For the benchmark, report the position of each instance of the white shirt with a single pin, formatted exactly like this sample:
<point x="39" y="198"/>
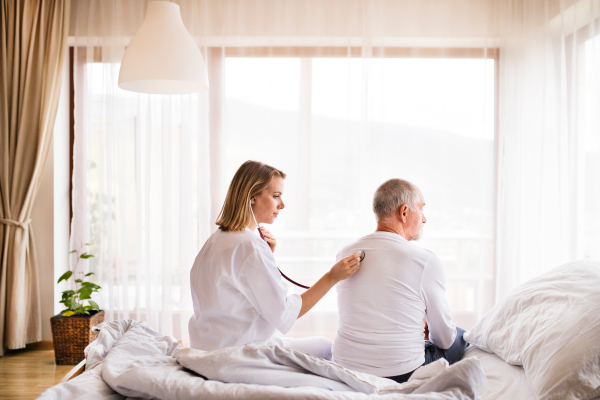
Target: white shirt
<point x="238" y="294"/>
<point x="382" y="306"/>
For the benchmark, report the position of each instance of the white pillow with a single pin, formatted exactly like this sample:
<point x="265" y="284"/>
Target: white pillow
<point x="551" y="326"/>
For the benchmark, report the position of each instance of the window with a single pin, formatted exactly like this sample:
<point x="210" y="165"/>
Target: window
<point x="426" y="115"/>
<point x="430" y="119"/>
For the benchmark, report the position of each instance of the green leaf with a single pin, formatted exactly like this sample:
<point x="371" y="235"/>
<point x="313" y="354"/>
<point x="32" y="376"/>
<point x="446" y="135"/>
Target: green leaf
<point x="82" y="310"/>
<point x="94" y="305"/>
<point x="73" y="251"/>
<point x="85" y="256"/>
<point x="67" y="313"/>
<point x="89" y="273"/>
<point x="65" y="276"/>
<point x="89" y="244"/>
<point x="67" y="293"/>
<point x="85" y="293"/>
<point x="78" y="280"/>
<point x="90" y="285"/>
<point x="66" y="299"/>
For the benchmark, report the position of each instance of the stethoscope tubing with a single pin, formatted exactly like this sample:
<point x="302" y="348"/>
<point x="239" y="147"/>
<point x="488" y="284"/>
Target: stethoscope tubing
<point x="282" y="274"/>
<point x="362" y="253"/>
<point x="263" y="238"/>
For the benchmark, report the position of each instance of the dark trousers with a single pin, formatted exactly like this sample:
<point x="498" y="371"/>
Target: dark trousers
<point x="433" y="353"/>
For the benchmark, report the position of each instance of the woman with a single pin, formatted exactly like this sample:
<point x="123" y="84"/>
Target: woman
<point x="238" y="295"/>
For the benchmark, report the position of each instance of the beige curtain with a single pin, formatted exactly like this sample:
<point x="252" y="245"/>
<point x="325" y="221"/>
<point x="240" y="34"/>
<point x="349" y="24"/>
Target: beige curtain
<point x="34" y="38"/>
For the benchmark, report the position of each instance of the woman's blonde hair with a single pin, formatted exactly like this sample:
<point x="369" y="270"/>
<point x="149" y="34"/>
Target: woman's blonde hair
<point x="250" y="179"/>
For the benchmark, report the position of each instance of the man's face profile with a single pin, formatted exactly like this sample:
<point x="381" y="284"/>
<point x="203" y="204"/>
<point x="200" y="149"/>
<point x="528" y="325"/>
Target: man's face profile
<point x="415" y="221"/>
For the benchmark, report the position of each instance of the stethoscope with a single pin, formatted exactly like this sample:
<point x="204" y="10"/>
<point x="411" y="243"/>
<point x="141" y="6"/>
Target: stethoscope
<point x="362" y="253"/>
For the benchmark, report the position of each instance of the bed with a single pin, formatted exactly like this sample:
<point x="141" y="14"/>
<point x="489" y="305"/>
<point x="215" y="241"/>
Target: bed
<point x="540" y="342"/>
<point x="503" y="381"/>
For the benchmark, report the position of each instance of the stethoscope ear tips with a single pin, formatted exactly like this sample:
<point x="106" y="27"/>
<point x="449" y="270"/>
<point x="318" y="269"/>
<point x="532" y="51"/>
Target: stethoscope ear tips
<point x="362" y="255"/>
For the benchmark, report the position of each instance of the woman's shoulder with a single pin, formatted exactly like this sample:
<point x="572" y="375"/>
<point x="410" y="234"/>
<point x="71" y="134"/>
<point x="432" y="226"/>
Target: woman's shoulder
<point x="245" y="240"/>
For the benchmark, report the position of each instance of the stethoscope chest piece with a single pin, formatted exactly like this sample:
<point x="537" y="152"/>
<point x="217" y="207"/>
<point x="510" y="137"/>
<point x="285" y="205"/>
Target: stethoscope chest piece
<point x="362" y="255"/>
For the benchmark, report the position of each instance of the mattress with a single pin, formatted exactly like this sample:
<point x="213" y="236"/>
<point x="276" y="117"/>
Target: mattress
<point x="504" y="381"/>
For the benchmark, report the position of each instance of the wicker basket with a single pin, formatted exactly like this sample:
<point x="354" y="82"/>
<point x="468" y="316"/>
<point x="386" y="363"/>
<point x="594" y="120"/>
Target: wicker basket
<point x="71" y="335"/>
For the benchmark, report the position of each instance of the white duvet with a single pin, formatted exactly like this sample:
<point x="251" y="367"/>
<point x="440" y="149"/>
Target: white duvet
<point x="129" y="359"/>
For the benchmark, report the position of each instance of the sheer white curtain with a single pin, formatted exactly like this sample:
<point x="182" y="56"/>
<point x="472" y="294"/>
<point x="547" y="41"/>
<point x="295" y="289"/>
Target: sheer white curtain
<point x="141" y="184"/>
<point x="549" y="137"/>
<point x="473" y="101"/>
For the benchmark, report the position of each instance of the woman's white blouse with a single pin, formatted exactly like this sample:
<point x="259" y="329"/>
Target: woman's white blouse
<point x="238" y="295"/>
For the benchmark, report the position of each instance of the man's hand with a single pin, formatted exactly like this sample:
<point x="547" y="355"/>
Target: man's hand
<point x="426" y="329"/>
<point x="271" y="241"/>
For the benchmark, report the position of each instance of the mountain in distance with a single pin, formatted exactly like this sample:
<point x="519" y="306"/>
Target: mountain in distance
<point x="454" y="170"/>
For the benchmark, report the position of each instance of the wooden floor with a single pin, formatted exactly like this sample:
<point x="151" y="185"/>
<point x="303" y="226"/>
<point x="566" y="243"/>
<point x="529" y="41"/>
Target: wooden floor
<point x="25" y="374"/>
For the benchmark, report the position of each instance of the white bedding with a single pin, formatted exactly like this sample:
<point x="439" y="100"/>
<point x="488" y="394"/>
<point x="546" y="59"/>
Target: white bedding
<point x="129" y="360"/>
<point x="504" y="381"/>
<point x="550" y="326"/>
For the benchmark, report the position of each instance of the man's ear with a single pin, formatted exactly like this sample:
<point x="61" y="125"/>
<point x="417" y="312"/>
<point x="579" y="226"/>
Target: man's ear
<point x="402" y="213"/>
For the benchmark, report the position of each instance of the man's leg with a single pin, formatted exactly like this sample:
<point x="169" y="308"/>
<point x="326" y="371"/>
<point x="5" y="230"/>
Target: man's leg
<point x="318" y="346"/>
<point x="433" y="353"/>
<point x="453" y="354"/>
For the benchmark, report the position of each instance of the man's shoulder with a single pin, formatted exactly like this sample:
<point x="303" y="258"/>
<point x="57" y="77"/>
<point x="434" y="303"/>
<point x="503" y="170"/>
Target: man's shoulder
<point x="424" y="256"/>
<point x="353" y="246"/>
<point x="392" y="242"/>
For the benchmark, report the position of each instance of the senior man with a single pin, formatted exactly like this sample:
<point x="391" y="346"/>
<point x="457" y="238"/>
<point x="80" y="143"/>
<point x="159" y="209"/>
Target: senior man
<point x="383" y="307"/>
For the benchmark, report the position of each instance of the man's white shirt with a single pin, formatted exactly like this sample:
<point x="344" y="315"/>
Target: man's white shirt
<point x="382" y="306"/>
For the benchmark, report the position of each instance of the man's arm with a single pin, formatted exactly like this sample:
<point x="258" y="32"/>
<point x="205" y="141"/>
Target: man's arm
<point x="442" y="330"/>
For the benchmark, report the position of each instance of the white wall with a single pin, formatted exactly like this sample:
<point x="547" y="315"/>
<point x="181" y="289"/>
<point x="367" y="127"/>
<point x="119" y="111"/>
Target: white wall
<point x="42" y="220"/>
<point x="50" y="213"/>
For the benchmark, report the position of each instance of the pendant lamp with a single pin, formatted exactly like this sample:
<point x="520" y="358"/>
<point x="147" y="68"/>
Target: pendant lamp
<point x="162" y="57"/>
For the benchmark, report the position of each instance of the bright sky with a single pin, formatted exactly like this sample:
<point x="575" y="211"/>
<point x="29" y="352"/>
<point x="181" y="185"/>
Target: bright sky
<point x="455" y="95"/>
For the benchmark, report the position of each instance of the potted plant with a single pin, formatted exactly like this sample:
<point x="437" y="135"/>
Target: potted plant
<point x="72" y="327"/>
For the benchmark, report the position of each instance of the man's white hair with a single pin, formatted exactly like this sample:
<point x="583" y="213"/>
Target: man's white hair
<point x="391" y="195"/>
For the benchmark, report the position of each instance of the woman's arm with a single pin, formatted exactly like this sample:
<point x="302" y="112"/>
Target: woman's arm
<point x="343" y="269"/>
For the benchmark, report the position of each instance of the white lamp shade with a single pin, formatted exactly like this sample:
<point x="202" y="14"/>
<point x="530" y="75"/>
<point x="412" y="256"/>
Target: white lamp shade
<point x="162" y="57"/>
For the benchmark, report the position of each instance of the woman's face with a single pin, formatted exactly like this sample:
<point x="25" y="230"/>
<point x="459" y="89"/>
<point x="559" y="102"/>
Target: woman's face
<point x="268" y="203"/>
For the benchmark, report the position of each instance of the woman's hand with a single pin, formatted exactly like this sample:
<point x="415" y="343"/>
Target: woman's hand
<point x="271" y="241"/>
<point x="345" y="268"/>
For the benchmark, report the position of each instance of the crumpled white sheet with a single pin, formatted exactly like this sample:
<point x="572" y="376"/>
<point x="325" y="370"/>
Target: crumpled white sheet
<point x="289" y="368"/>
<point x="136" y="361"/>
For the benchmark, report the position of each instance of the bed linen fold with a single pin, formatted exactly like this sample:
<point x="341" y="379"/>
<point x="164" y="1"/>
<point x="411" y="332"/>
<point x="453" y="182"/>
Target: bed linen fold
<point x="133" y="360"/>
